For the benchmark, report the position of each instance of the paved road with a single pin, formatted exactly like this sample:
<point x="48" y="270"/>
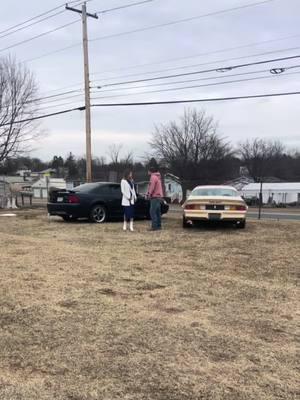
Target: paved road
<point x="266" y="214"/>
<point x="275" y="215"/>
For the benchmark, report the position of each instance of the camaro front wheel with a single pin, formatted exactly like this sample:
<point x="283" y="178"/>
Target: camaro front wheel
<point x="98" y="214"/>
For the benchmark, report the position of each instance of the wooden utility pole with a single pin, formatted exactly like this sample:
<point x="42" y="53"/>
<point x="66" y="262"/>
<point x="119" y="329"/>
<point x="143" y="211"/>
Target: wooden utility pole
<point x="84" y="15"/>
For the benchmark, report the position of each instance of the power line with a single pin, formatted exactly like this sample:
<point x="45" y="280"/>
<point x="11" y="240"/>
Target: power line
<point x="199" y="65"/>
<point x="156" y="103"/>
<point x="38" y="16"/>
<point x="67" y="103"/>
<point x="52" y="52"/>
<point x="223" y="50"/>
<point x="220" y="69"/>
<point x="125" y="6"/>
<point x="203" y="64"/>
<point x="30" y="19"/>
<point x="38" y="36"/>
<point x="175" y="68"/>
<point x="179" y="21"/>
<point x="162" y="84"/>
<point x="193" y="86"/>
<point x="149" y="28"/>
<point x="32" y="24"/>
<point x="215" y="99"/>
<point x="44" y="116"/>
<point x="282" y="69"/>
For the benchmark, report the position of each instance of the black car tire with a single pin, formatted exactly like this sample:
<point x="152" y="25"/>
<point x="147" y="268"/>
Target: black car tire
<point x="98" y="214"/>
<point x="185" y="224"/>
<point x="241" y="224"/>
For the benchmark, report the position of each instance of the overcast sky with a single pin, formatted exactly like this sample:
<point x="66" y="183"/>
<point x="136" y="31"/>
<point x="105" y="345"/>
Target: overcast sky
<point x="121" y="58"/>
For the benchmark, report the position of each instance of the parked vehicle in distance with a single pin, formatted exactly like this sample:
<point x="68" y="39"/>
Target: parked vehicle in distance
<point x="99" y="202"/>
<point x="214" y="203"/>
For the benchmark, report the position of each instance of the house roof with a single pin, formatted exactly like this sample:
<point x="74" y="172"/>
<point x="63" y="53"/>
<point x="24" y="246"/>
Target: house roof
<point x="275" y="186"/>
<point x="56" y="182"/>
<point x="14" y="179"/>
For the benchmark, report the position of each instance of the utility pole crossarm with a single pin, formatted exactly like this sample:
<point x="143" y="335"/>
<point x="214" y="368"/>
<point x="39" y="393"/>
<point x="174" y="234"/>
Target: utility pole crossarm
<point x="80" y="12"/>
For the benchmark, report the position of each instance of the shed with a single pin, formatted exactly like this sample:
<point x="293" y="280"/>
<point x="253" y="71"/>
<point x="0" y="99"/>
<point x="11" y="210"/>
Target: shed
<point x="274" y="193"/>
<point x="42" y="186"/>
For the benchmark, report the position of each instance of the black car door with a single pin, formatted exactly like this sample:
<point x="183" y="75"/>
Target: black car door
<point x="115" y="200"/>
<point x="142" y="207"/>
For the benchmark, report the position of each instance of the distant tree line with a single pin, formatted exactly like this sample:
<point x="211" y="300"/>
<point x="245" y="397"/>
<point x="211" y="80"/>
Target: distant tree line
<point x="191" y="148"/>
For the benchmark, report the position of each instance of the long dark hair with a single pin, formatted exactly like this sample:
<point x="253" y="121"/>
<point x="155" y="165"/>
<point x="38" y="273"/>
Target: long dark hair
<point x="126" y="174"/>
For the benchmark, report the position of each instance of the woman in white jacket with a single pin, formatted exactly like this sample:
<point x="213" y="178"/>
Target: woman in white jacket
<point x="128" y="199"/>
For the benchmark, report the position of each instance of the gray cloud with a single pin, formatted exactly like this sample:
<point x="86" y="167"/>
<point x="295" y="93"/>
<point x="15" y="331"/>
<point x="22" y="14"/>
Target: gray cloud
<point x="276" y="118"/>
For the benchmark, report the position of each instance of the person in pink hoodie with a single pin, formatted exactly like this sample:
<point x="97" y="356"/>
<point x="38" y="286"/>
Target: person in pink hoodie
<point x="155" y="194"/>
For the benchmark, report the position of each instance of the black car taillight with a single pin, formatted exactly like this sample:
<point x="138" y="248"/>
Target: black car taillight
<point x="73" y="199"/>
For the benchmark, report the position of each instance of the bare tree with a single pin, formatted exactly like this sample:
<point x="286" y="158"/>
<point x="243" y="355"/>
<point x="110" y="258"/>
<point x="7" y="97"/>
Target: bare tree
<point x="261" y="156"/>
<point x="17" y="102"/>
<point x="127" y="159"/>
<point x="114" y="152"/>
<point x="191" y="149"/>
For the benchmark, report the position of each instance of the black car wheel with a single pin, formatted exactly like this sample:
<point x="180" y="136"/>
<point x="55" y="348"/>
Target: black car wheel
<point x="98" y="214"/>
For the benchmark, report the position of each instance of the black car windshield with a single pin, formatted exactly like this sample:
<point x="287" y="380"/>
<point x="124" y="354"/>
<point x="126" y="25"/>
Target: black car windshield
<point x="214" y="192"/>
<point x="86" y="187"/>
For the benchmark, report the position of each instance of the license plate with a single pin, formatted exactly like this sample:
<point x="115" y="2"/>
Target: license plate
<point x="60" y="199"/>
<point x="214" y="217"/>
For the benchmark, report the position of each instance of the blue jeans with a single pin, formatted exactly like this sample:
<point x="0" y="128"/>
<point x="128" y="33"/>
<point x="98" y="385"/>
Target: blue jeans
<point x="155" y="213"/>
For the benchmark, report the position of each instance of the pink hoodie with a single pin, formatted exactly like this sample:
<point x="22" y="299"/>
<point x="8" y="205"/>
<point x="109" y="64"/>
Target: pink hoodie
<point x="155" y="186"/>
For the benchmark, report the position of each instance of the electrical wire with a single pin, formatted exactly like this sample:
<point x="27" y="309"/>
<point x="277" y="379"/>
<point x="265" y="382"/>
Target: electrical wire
<point x="199" y="65"/>
<point x="44" y="116"/>
<point x="213" y="99"/>
<point x="223" y="50"/>
<point x="38" y="36"/>
<point x="222" y="69"/>
<point x="179" y="21"/>
<point x="193" y="86"/>
<point x="203" y="64"/>
<point x="282" y="69"/>
<point x="39" y="16"/>
<point x="122" y="7"/>
<point x="147" y="28"/>
<point x="32" y="24"/>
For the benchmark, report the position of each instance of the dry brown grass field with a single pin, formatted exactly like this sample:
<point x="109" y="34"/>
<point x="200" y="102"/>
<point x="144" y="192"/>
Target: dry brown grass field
<point x="88" y="312"/>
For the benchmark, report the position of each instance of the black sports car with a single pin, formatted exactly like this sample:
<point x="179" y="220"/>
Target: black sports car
<point x="98" y="202"/>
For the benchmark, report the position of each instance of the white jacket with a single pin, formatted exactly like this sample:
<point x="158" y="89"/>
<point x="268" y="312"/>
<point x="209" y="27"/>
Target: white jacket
<point x="129" y="195"/>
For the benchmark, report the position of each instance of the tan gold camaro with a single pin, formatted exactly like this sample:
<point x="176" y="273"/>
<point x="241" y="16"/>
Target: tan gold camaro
<point x="215" y="203"/>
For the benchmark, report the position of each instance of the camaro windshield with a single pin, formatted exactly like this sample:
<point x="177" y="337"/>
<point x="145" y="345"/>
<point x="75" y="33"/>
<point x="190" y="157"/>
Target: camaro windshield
<point x="214" y="192"/>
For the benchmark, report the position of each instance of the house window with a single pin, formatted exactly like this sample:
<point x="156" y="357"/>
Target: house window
<point x="169" y="187"/>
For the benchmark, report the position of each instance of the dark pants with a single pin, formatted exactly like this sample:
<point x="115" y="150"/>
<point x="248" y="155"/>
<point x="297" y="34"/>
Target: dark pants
<point x="155" y="213"/>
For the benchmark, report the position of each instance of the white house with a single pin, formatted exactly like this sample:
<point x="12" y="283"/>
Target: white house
<point x="279" y="192"/>
<point x="41" y="187"/>
<point x="173" y="188"/>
